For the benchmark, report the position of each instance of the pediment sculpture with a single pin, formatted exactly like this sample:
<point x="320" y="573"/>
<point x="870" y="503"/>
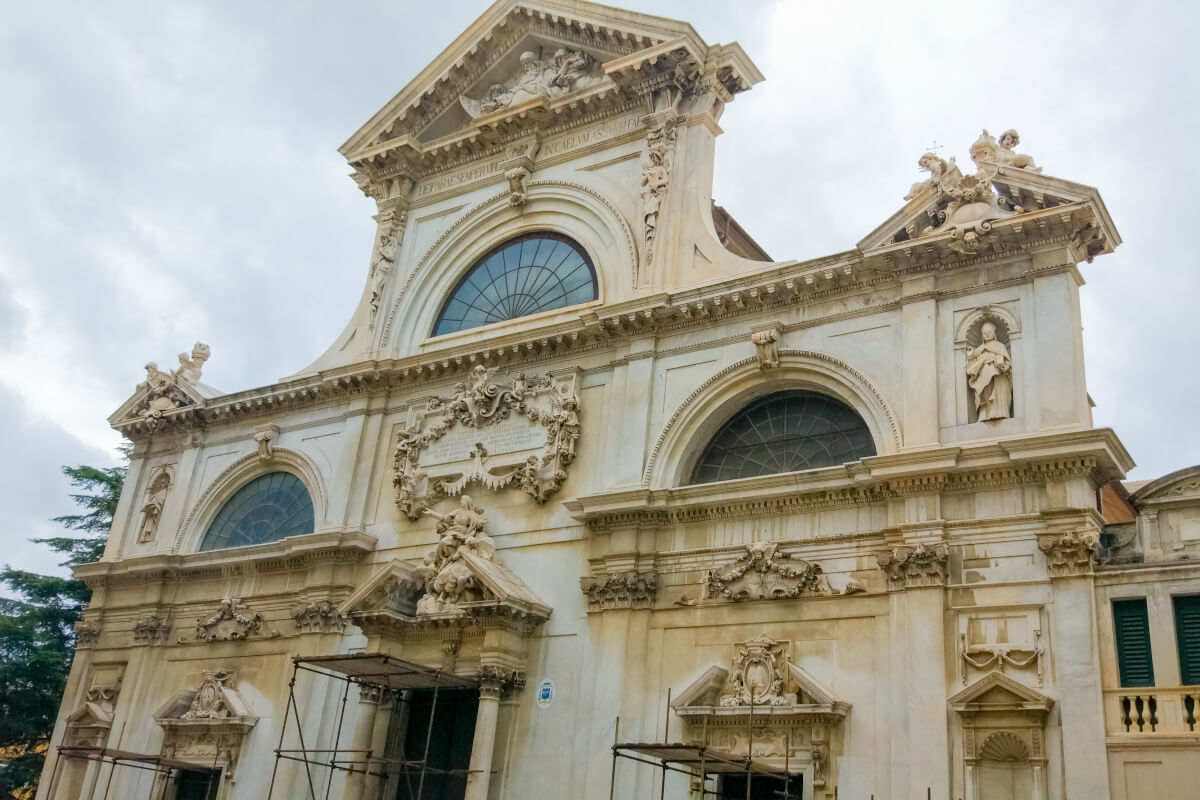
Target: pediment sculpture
<point x="565" y="72"/>
<point x="163" y="390"/>
<point x="531" y="423"/>
<point x="764" y="572"/>
<point x="971" y="202"/>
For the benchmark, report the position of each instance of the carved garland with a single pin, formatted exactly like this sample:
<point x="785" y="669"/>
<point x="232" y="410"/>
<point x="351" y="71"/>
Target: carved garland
<point x="479" y="403"/>
<point x="762" y="574"/>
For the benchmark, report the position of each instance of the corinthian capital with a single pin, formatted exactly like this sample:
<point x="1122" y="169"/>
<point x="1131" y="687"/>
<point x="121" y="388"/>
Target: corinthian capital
<point x="1069" y="554"/>
<point x="494" y="680"/>
<point x="911" y="567"/>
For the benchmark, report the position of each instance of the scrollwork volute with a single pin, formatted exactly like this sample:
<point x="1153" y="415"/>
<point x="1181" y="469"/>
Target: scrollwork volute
<point x="629" y="589"/>
<point x="1070" y="554"/>
<point x="758" y="676"/>
<point x="232" y="621"/>
<point x="914" y="567"/>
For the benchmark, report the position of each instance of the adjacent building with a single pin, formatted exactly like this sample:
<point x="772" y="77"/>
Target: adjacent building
<point x="593" y="498"/>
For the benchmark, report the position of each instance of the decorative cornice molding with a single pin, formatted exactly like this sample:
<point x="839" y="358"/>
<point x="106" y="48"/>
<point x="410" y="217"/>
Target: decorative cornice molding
<point x="915" y="567"/>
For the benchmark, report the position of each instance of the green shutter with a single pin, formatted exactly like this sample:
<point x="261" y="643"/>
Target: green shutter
<point x="1133" y="642"/>
<point x="1187" y="633"/>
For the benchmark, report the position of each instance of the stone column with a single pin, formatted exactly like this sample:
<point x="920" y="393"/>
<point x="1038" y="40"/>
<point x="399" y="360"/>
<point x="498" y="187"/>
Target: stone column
<point x="1073" y="628"/>
<point x="921" y="757"/>
<point x="364" y="729"/>
<point x="493" y="681"/>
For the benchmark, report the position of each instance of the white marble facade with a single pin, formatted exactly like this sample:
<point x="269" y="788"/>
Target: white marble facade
<point x="926" y="619"/>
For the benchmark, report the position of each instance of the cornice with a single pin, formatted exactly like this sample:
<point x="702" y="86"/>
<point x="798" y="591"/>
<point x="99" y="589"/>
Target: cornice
<point x="1093" y="454"/>
<point x="596" y="328"/>
<point x="294" y="552"/>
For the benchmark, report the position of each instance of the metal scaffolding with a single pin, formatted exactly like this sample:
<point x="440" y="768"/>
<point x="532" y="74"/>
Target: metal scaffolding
<point x="161" y="766"/>
<point x="387" y="674"/>
<point x="699" y="761"/>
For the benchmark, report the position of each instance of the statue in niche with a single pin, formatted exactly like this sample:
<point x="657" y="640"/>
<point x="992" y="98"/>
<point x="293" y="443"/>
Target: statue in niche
<point x="989" y="374"/>
<point x="152" y="508"/>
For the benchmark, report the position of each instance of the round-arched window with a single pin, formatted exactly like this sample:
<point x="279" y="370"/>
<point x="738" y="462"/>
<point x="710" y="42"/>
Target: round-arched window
<point x="784" y="432"/>
<point x="268" y="508"/>
<point x="531" y="273"/>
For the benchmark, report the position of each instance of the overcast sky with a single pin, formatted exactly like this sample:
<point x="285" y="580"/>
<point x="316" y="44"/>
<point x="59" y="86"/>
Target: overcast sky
<point x="170" y="174"/>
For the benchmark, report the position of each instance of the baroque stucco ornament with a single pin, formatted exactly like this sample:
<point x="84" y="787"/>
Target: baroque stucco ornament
<point x="764" y="573"/>
<point x="447" y="578"/>
<point x="630" y="589"/>
<point x="972" y="203"/>
<point x="232" y="621"/>
<point x="482" y="404"/>
<point x="759" y="675"/>
<point x="914" y="567"/>
<point x="1070" y="554"/>
<point x="567" y="71"/>
<point x="163" y="391"/>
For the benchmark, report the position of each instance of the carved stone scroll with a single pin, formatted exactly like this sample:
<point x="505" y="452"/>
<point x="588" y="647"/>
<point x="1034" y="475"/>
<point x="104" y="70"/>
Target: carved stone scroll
<point x="914" y="567"/>
<point x="491" y="409"/>
<point x="764" y="573"/>
<point x="1070" y="554"/>
<point x="759" y="675"/>
<point x="766" y="346"/>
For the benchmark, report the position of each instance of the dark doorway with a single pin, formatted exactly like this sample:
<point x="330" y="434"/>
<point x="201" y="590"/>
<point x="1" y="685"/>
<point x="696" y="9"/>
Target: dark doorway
<point x="762" y="787"/>
<point x="450" y="741"/>
<point x="197" y="784"/>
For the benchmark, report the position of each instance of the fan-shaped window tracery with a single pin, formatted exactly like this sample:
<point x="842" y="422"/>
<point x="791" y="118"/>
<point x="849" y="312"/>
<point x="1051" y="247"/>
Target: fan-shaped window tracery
<point x="532" y="273"/>
<point x="268" y="508"/>
<point x="784" y="432"/>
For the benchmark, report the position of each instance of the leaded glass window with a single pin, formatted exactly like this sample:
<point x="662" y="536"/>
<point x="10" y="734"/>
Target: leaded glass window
<point x="268" y="508"/>
<point x="784" y="432"/>
<point x="532" y="273"/>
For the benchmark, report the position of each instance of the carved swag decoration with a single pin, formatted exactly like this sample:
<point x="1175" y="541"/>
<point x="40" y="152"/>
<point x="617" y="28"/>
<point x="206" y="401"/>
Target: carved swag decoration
<point x="764" y="573"/>
<point x="233" y="621"/>
<point x="481" y="403"/>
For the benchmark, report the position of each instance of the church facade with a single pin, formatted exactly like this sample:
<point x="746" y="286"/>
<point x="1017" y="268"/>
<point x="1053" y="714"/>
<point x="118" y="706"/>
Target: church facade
<point x="593" y="498"/>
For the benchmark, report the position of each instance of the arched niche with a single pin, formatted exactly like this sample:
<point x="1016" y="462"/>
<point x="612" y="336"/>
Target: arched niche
<point x="573" y="210"/>
<point x="710" y="406"/>
<point x="237" y="475"/>
<point x="969" y="336"/>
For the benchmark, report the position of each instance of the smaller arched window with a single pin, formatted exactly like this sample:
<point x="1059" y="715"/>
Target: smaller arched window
<point x="784" y="432"/>
<point x="531" y="273"/>
<point x="269" y="508"/>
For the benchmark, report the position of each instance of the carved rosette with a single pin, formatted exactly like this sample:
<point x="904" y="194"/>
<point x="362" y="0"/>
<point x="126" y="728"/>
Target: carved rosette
<point x="480" y="403"/>
<point x="152" y="630"/>
<point x="233" y="621"/>
<point x="630" y="589"/>
<point x="915" y="567"/>
<point x="764" y="573"/>
<point x="495" y="680"/>
<point x="318" y="617"/>
<point x="1070" y="554"/>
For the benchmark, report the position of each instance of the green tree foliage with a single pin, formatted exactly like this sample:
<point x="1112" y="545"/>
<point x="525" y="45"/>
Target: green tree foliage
<point x="37" y="629"/>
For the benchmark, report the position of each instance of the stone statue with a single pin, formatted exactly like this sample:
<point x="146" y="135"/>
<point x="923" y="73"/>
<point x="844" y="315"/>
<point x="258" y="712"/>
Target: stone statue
<point x="152" y="508"/>
<point x="190" y="368"/>
<point x="1006" y="152"/>
<point x="935" y="166"/>
<point x="568" y="71"/>
<point x="989" y="374"/>
<point x="446" y="577"/>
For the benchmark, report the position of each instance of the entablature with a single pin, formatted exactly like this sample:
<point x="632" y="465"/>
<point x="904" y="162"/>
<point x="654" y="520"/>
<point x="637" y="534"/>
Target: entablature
<point x="1095" y="455"/>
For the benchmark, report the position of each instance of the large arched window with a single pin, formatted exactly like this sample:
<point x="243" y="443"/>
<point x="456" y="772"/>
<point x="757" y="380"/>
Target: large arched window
<point x="784" y="432"/>
<point x="266" y="509"/>
<point x="532" y="273"/>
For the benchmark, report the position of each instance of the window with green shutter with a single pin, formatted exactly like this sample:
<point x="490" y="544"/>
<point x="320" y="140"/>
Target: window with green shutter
<point x="1187" y="633"/>
<point x="1133" y="642"/>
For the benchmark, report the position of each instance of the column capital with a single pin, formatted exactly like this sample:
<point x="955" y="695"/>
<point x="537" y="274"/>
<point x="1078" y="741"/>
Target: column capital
<point x="1069" y="554"/>
<point x="910" y="567"/>
<point x="495" y="680"/>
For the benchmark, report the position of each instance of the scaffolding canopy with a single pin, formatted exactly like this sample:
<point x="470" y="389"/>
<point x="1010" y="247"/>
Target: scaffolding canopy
<point x="380" y="669"/>
<point x="712" y="762"/>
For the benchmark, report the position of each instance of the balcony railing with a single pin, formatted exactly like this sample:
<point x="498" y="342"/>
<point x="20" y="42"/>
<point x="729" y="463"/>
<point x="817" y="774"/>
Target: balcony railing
<point x="1151" y="710"/>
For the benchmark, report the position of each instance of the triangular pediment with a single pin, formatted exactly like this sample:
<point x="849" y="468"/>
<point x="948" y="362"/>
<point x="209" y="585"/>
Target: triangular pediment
<point x="1182" y="484"/>
<point x="525" y="62"/>
<point x="992" y="205"/>
<point x="998" y="692"/>
<point x="167" y="396"/>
